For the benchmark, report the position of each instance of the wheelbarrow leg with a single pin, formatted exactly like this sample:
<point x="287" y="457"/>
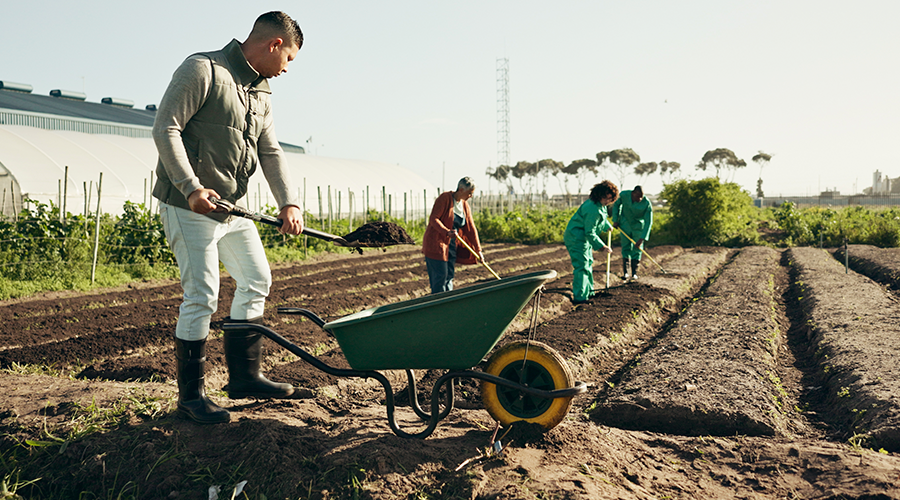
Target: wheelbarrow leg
<point x="385" y="383"/>
<point x="414" y="397"/>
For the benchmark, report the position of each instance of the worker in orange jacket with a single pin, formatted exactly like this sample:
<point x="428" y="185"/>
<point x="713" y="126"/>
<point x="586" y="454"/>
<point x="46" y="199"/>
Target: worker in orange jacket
<point x="451" y="218"/>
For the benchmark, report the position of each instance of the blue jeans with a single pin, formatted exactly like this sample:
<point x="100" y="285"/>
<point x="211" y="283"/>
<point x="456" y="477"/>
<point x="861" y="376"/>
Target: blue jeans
<point x="440" y="272"/>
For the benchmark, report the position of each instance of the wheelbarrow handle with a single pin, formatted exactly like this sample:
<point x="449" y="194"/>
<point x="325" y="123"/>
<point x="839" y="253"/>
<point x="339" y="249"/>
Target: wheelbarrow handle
<point x="303" y="312"/>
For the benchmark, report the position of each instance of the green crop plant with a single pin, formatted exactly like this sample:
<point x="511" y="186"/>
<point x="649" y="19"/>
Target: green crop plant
<point x="779" y="388"/>
<point x="11" y="483"/>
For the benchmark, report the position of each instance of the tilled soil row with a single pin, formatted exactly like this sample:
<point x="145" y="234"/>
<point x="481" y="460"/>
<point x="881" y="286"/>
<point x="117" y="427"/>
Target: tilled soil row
<point x="853" y="327"/>
<point x="335" y="288"/>
<point x="340" y="447"/>
<point x="880" y="264"/>
<point x="37" y="321"/>
<point x="714" y="372"/>
<point x="599" y="338"/>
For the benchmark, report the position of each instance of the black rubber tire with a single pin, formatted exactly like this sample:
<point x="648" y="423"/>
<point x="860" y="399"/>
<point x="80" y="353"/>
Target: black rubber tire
<point x="545" y="369"/>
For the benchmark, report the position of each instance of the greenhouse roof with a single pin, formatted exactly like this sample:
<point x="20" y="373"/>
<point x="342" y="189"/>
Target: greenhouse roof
<point x="77" y="108"/>
<point x="34" y="161"/>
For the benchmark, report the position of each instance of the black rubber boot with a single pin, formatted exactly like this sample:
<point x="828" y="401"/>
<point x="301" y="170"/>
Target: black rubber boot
<point x="634" y="267"/>
<point x="190" y="356"/>
<point x="243" y="354"/>
<point x="625" y="265"/>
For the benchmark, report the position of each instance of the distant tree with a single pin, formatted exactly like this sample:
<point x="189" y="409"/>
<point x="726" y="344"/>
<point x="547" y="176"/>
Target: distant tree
<point x="668" y="169"/>
<point x="546" y="168"/>
<point x="562" y="178"/>
<point x="580" y="170"/>
<point x="710" y="212"/>
<point x="526" y="172"/>
<point x="501" y="174"/>
<point x="721" y="158"/>
<point x="644" y="169"/>
<point x="762" y="159"/>
<point x="623" y="159"/>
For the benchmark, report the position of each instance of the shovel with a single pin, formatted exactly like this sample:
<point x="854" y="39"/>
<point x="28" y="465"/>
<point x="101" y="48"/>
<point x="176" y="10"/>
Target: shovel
<point x="233" y="209"/>
<point x="483" y="263"/>
<point x="642" y="250"/>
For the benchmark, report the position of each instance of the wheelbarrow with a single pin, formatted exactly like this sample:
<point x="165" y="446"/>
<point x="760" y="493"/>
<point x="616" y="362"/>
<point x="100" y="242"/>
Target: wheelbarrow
<point x="454" y="331"/>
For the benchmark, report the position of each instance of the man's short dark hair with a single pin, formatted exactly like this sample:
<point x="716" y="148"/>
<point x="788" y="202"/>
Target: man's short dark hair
<point x="279" y="24"/>
<point x="603" y="189"/>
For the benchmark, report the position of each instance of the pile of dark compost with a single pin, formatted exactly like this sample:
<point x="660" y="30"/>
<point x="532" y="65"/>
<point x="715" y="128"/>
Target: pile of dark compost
<point x="380" y="234"/>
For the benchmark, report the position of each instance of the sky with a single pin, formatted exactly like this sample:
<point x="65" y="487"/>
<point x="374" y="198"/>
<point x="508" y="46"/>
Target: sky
<point x="814" y="83"/>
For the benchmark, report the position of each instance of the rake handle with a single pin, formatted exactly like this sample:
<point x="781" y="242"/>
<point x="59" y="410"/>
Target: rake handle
<point x="483" y="263"/>
<point x="642" y="250"/>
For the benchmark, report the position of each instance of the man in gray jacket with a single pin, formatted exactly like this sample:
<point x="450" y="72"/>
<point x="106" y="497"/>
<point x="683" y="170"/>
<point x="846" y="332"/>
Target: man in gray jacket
<point x="213" y="128"/>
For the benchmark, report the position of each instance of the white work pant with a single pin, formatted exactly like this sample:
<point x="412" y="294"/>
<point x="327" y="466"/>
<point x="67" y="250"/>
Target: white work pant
<point x="199" y="243"/>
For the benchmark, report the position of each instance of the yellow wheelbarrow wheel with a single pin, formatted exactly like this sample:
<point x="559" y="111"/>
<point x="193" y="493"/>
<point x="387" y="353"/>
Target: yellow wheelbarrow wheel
<point x="544" y="369"/>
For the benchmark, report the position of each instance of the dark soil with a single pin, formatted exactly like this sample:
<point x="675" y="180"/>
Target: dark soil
<point x="380" y="234"/>
<point x="332" y="440"/>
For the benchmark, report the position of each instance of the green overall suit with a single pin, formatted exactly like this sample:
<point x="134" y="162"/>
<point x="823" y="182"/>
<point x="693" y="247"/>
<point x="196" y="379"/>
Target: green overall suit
<point x="581" y="238"/>
<point x="635" y="220"/>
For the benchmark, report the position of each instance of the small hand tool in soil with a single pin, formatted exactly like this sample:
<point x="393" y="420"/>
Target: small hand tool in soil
<point x="373" y="234"/>
<point x="608" y="255"/>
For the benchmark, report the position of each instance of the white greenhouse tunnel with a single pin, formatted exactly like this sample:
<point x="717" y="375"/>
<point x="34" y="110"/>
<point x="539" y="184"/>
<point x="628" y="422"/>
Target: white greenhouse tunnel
<point x="33" y="165"/>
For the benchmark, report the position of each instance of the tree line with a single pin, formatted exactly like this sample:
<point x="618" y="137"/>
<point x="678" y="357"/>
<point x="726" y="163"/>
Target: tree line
<point x="621" y="162"/>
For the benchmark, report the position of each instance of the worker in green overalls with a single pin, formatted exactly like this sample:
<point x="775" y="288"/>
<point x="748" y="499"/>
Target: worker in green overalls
<point x="582" y="237"/>
<point x="633" y="215"/>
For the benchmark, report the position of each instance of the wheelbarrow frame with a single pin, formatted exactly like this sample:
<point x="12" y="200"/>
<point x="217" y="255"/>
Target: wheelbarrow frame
<point x="394" y="315"/>
<point x="436" y="415"/>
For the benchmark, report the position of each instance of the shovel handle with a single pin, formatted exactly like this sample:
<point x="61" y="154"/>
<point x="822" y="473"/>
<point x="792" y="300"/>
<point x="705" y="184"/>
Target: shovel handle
<point x="233" y="209"/>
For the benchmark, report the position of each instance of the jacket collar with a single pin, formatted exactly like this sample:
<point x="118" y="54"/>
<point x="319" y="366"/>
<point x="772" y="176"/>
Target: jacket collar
<point x="243" y="73"/>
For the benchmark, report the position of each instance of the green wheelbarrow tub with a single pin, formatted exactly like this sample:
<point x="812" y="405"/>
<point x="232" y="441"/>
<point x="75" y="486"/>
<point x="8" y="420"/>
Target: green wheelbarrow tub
<point x="450" y="330"/>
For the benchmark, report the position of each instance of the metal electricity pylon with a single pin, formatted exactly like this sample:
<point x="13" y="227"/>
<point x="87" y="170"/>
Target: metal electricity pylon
<point x="502" y="111"/>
